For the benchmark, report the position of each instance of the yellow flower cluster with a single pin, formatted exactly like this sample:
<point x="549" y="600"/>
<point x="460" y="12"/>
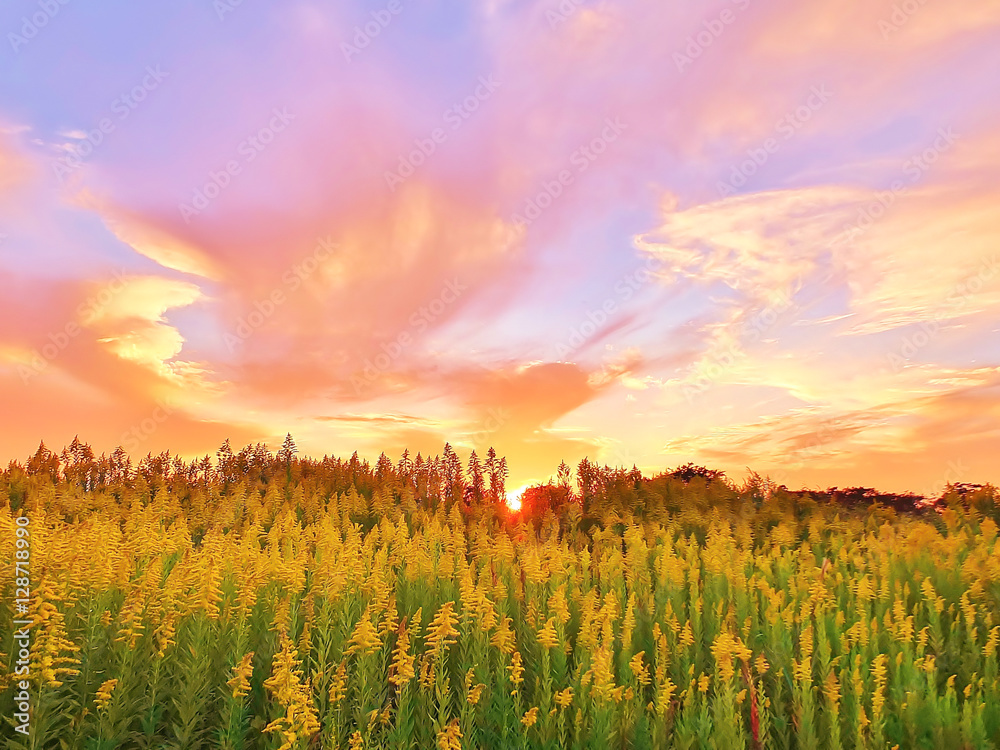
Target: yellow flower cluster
<point x="365" y="639"/>
<point x="240" y="683"/>
<point x="530" y="717"/>
<point x="516" y="670"/>
<point x="726" y="648"/>
<point x="442" y="632"/>
<point x="547" y="635"/>
<point x="293" y="694"/>
<point x="450" y="738"/>
<point x="666" y="619"/>
<point x="564" y="697"/>
<point x="104" y="692"/>
<point x="402" y="659"/>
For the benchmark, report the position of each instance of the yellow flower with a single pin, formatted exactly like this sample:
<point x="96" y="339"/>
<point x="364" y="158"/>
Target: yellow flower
<point x="639" y="669"/>
<point x="104" y="694"/>
<point x="602" y="673"/>
<point x="864" y="589"/>
<point x="863" y="719"/>
<point x="802" y="668"/>
<point x="475" y="693"/>
<point x="240" y="684"/>
<point x="922" y="637"/>
<point x="450" y="738"/>
<point x="547" y="635"/>
<point x="516" y="670"/>
<point x="402" y="660"/>
<point x="485" y="610"/>
<point x="930" y="594"/>
<point x="761" y="664"/>
<point x="503" y="640"/>
<point x="564" y="697"/>
<point x="686" y="637"/>
<point x="664" y="693"/>
<point x="991" y="642"/>
<point x="472" y="692"/>
<point x="52" y="653"/>
<point x="530" y="717"/>
<point x="831" y="689"/>
<point x="559" y="606"/>
<point x="338" y="685"/>
<point x="725" y="648"/>
<point x="442" y="632"/>
<point x="365" y="639"/>
<point x="878" y="692"/>
<point x="164" y="634"/>
<point x="289" y="691"/>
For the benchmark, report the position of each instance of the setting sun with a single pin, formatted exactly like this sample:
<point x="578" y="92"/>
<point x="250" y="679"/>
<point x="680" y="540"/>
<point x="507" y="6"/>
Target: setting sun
<point x="514" y="499"/>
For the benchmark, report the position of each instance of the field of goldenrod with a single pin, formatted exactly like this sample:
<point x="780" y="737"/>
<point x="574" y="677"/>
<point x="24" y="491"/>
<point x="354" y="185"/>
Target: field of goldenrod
<point x="268" y="602"/>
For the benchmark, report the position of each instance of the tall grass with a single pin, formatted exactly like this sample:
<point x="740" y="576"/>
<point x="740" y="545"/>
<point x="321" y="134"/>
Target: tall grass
<point x="247" y="617"/>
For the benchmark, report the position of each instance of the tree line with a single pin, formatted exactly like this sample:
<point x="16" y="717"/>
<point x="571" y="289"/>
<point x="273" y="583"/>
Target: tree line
<point x="588" y="495"/>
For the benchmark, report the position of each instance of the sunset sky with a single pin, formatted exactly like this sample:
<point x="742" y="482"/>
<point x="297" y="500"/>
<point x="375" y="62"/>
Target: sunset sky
<point x="758" y="233"/>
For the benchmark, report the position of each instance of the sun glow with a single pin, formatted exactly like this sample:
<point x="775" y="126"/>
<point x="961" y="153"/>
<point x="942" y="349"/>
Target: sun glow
<point x="514" y="499"/>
